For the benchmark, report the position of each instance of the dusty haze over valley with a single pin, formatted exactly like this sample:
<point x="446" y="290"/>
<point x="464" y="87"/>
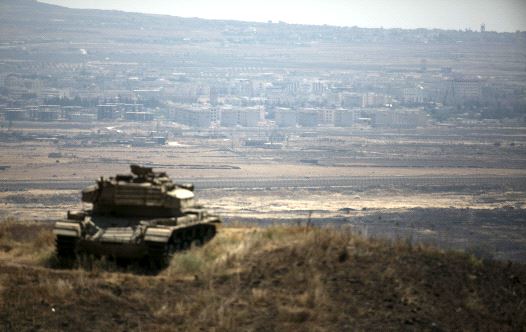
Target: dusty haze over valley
<point x="415" y="137"/>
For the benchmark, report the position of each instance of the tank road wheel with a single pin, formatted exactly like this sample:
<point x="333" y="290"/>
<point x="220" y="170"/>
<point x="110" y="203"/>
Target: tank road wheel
<point x="66" y="250"/>
<point x="160" y="254"/>
<point x="178" y="244"/>
<point x="185" y="236"/>
<point x="209" y="232"/>
<point x="178" y="241"/>
<point x="197" y="242"/>
<point x="85" y="260"/>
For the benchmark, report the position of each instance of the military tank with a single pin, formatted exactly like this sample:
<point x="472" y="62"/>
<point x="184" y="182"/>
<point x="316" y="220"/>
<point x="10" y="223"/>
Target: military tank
<point x="142" y="216"/>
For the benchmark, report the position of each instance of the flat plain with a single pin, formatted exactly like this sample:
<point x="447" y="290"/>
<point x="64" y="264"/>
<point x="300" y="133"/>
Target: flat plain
<point x="461" y="189"/>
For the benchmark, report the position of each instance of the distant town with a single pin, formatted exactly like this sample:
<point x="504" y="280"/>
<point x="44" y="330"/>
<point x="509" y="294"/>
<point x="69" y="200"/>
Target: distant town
<point x="145" y="80"/>
<point x="252" y="97"/>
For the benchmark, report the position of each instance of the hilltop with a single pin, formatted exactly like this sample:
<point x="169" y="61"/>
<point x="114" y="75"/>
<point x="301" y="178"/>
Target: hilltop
<point x="82" y="25"/>
<point x="276" y="278"/>
<point x="48" y="41"/>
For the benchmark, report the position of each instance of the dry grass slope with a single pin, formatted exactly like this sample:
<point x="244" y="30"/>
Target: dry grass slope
<point x="276" y="278"/>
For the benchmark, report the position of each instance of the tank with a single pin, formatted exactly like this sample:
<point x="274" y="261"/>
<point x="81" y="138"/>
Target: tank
<point x="142" y="216"/>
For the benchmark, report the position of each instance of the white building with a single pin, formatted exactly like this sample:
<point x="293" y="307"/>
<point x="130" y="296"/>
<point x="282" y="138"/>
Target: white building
<point x="241" y="116"/>
<point x="345" y="117"/>
<point x="286" y="117"/>
<point x="195" y="115"/>
<point x="325" y="116"/>
<point x="308" y="117"/>
<point x="399" y="118"/>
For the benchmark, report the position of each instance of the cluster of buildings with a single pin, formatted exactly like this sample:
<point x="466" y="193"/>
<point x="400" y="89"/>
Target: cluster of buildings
<point x="204" y="116"/>
<point x="405" y="118"/>
<point x="226" y="116"/>
<point x="242" y="74"/>
<point x="246" y="97"/>
<point x="103" y="112"/>
<point x="252" y="85"/>
<point x="47" y="113"/>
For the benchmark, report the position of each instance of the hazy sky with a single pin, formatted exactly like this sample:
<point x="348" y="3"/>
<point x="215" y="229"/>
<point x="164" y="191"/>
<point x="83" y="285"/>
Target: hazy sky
<point x="499" y="15"/>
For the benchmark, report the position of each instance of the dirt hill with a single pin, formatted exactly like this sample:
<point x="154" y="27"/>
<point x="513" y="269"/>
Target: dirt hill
<point x="276" y="278"/>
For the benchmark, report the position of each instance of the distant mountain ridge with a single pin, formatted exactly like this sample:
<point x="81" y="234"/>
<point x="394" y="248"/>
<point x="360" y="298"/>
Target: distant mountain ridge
<point x="30" y="18"/>
<point x="40" y="34"/>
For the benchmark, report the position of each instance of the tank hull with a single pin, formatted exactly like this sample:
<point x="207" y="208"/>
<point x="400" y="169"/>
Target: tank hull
<point x="135" y="210"/>
<point x="154" y="241"/>
<point x="143" y="216"/>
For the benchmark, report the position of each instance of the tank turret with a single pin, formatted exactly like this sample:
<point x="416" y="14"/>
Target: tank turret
<point x="144" y="193"/>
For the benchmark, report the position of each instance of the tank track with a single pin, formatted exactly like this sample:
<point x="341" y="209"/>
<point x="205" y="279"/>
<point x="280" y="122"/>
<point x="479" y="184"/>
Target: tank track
<point x="160" y="254"/>
<point x="66" y="249"/>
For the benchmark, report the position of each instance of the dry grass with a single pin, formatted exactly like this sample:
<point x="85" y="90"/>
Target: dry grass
<point x="227" y="252"/>
<point x="276" y="278"/>
<point x="26" y="242"/>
